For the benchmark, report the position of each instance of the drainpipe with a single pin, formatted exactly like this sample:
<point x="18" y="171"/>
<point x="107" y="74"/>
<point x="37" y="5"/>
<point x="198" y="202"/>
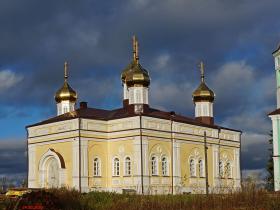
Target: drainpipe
<point x="79" y="138"/>
<point x="172" y="153"/>
<point x="206" y="164"/>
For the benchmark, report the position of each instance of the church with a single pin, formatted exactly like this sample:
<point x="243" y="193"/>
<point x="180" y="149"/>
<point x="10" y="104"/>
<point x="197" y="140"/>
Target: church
<point x="134" y="148"/>
<point x="275" y="117"/>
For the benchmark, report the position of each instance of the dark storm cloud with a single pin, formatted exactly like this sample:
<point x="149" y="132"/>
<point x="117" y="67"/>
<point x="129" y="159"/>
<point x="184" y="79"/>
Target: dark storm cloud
<point x="12" y="157"/>
<point x="235" y="38"/>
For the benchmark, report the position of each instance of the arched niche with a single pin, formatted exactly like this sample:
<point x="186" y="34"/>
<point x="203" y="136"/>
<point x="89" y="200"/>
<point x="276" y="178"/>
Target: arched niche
<point x="52" y="170"/>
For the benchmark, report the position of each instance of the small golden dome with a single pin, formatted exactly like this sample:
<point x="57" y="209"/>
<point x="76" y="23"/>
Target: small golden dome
<point x="134" y="73"/>
<point x="66" y="93"/>
<point x="203" y="92"/>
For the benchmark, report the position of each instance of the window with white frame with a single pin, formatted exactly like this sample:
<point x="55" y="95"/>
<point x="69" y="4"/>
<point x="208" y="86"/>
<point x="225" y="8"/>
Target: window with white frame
<point x="164" y="166"/>
<point x="228" y="169"/>
<point x="116" y="167"/>
<point x="127" y="168"/>
<point x="96" y="167"/>
<point x="154" y="165"/>
<point x="65" y="109"/>
<point x="192" y="168"/>
<point x="221" y="169"/>
<point x="201" y="168"/>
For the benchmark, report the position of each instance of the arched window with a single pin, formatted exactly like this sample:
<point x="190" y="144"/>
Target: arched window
<point x="228" y="170"/>
<point x="192" y="168"/>
<point x="96" y="167"/>
<point x="164" y="166"/>
<point x="127" y="168"/>
<point x="221" y="169"/>
<point x="201" y="168"/>
<point x="116" y="167"/>
<point x="154" y="166"/>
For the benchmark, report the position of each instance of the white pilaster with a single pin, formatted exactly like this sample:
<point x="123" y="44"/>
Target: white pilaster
<point x="176" y="166"/>
<point x="84" y="165"/>
<point x="236" y="172"/>
<point x="215" y="150"/>
<point x="76" y="149"/>
<point x="137" y="166"/>
<point x="31" y="167"/>
<point x="75" y="164"/>
<point x="276" y="160"/>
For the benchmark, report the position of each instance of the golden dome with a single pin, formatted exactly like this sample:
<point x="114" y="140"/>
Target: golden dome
<point x="203" y="92"/>
<point x="66" y="93"/>
<point x="134" y="73"/>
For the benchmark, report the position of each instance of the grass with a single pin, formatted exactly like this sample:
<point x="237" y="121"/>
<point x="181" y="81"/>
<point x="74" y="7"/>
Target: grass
<point x="248" y="198"/>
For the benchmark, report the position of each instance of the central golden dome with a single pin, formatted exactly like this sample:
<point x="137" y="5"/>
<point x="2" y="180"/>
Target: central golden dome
<point x="134" y="73"/>
<point x="66" y="93"/>
<point x="203" y="92"/>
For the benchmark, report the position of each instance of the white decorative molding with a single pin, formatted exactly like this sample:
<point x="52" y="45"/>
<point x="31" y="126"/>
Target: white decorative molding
<point x="31" y="166"/>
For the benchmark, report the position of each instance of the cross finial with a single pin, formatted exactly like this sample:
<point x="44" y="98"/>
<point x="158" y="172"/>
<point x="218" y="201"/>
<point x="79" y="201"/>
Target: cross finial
<point x="135" y="49"/>
<point x="201" y="66"/>
<point x="65" y="70"/>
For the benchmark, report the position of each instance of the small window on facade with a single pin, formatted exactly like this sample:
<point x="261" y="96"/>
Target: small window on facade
<point x="221" y="169"/>
<point x="201" y="168"/>
<point x="164" y="165"/>
<point x="116" y="167"/>
<point x="127" y="164"/>
<point x="96" y="167"/>
<point x="228" y="169"/>
<point x="154" y="166"/>
<point x="192" y="168"/>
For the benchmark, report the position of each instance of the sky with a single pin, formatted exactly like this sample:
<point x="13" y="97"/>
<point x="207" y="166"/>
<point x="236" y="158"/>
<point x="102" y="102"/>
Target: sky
<point x="235" y="39"/>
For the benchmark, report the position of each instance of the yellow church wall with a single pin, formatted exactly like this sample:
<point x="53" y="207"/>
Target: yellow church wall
<point x="120" y="149"/>
<point x="159" y="148"/>
<point x="189" y="149"/>
<point x="98" y="149"/>
<point x="63" y="148"/>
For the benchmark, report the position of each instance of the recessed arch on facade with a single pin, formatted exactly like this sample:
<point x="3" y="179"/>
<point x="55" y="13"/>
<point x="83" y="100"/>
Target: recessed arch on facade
<point x="52" y="170"/>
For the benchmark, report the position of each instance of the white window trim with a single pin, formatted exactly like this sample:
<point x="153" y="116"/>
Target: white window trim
<point x="113" y="166"/>
<point x="190" y="168"/>
<point x="201" y="168"/>
<point x="124" y="168"/>
<point x="156" y="165"/>
<point x="167" y="165"/>
<point x="99" y="167"/>
<point x="229" y="175"/>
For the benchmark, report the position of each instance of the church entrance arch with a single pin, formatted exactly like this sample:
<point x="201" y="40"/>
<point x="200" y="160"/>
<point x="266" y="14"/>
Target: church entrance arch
<point x="52" y="170"/>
